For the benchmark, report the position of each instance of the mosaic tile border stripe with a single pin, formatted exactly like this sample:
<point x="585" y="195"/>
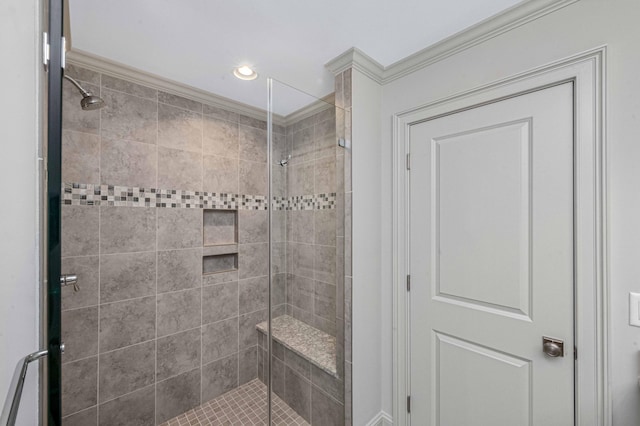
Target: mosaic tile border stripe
<point x="312" y="202"/>
<point x="87" y="194"/>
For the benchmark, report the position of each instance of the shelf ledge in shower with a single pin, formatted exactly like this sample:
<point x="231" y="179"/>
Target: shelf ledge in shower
<point x="314" y="345"/>
<point x="214" y="250"/>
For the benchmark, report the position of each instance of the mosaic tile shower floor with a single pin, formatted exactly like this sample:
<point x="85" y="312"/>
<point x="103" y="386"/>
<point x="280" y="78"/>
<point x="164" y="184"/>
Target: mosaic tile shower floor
<point x="246" y="405"/>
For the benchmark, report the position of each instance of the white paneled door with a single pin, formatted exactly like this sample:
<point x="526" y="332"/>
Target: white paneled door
<point x="492" y="264"/>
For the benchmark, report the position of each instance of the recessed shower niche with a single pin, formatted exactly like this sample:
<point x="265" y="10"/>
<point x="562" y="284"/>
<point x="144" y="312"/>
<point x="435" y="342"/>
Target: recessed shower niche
<point x="220" y="227"/>
<point x="220" y="241"/>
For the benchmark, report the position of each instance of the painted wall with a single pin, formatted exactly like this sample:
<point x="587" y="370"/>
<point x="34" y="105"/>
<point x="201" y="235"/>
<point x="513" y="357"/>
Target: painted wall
<point x="19" y="133"/>
<point x="576" y="28"/>
<point x="367" y="298"/>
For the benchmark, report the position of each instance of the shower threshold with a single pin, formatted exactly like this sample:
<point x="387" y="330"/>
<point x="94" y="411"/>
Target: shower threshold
<point x="244" y="405"/>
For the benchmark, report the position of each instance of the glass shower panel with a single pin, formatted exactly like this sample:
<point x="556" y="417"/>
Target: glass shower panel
<point x="307" y="252"/>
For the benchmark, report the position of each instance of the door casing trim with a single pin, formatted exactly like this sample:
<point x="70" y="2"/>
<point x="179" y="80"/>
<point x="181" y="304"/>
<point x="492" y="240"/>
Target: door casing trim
<point x="588" y="72"/>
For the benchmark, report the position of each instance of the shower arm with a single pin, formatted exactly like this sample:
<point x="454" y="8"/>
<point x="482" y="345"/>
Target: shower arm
<point x="80" y="88"/>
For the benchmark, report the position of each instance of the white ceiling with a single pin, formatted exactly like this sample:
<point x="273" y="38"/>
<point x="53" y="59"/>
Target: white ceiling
<point x="199" y="42"/>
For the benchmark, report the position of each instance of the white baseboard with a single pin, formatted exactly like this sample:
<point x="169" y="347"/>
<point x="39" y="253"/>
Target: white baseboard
<point x="381" y="419"/>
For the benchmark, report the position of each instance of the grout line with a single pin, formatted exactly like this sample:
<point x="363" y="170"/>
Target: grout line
<point x="237" y="159"/>
<point x="80" y="411"/>
<point x="183" y="290"/>
<point x="126" y="252"/>
<point x="204" y="364"/>
<point x="110" y="351"/>
<point x="80" y="307"/>
<point x="99" y="255"/>
<point x="123" y="395"/>
<point x="114" y="139"/>
<point x="126" y="300"/>
<point x="176" y="106"/>
<point x="127" y="93"/>
<point x="221" y="283"/>
<point x="83" y="131"/>
<point x="155" y="360"/>
<point x="201" y="279"/>
<point x="80" y="256"/>
<point x="81" y="359"/>
<point x="252" y="161"/>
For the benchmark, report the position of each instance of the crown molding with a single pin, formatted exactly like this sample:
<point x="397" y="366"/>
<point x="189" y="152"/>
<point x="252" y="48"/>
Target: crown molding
<point x="119" y="70"/>
<point x="310" y="110"/>
<point x="518" y="15"/>
<point x="494" y="26"/>
<point x="356" y="58"/>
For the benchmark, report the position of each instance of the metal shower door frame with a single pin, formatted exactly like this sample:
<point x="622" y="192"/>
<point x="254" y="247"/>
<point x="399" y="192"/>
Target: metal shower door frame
<point x="51" y="374"/>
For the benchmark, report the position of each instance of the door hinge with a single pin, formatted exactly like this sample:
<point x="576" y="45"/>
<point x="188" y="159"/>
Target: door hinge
<point x="408" y="282"/>
<point x="409" y="404"/>
<point x="45" y="50"/>
<point x="408" y="161"/>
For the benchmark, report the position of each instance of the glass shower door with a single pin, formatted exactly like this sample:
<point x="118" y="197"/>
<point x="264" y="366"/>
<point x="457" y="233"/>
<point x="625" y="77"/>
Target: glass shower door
<point x="307" y="252"/>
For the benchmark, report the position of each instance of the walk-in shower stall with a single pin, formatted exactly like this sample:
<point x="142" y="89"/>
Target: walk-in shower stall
<point x="211" y="244"/>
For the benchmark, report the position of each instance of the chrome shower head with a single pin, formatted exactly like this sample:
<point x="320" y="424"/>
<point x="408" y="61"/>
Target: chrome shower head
<point x="89" y="101"/>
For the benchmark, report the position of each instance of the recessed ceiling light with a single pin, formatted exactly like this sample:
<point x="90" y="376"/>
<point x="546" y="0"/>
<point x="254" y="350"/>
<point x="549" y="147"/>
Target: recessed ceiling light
<point x="245" y="72"/>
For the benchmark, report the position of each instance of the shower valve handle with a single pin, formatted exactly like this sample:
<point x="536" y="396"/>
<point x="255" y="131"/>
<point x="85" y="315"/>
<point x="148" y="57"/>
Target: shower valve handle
<point x="69" y="279"/>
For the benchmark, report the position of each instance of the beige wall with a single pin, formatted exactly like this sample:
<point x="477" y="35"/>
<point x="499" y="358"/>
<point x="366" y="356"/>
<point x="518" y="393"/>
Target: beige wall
<point x="576" y="28"/>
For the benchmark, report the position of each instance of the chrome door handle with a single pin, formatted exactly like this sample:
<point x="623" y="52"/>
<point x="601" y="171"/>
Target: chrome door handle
<point x="553" y="348"/>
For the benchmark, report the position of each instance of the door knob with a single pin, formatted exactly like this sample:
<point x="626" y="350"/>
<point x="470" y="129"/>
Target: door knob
<point x="552" y="347"/>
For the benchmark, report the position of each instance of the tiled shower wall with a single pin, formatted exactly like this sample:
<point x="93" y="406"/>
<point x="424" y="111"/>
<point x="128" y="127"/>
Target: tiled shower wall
<point x="148" y="336"/>
<point x="315" y="280"/>
<point x="311" y="236"/>
<point x="313" y="261"/>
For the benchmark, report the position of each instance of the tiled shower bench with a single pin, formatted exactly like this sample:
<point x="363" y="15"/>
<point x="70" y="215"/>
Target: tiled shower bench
<point x="304" y="368"/>
<point x="316" y="346"/>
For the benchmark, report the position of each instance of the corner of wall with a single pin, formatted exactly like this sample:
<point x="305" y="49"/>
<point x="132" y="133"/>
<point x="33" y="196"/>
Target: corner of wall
<point x="369" y="377"/>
